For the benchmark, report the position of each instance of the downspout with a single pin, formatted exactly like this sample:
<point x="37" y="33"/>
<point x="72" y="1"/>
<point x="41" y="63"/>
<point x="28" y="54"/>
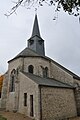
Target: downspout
<point x="40" y="103"/>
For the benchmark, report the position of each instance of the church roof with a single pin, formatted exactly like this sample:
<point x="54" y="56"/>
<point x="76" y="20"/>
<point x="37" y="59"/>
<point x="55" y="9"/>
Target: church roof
<point x="36" y="27"/>
<point x="47" y="81"/>
<point x="27" y="52"/>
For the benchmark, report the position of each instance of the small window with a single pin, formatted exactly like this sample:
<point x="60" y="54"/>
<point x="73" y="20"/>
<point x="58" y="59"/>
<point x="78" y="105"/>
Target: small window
<point x="45" y="72"/>
<point x="31" y="41"/>
<point x="31" y="106"/>
<point x="30" y="69"/>
<point x="25" y="99"/>
<point x="40" y="42"/>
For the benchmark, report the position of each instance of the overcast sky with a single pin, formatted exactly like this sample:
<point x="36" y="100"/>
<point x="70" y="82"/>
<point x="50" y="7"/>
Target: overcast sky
<point x="62" y="37"/>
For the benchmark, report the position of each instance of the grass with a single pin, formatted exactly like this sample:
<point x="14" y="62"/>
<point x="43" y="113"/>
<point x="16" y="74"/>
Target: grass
<point x="2" y="118"/>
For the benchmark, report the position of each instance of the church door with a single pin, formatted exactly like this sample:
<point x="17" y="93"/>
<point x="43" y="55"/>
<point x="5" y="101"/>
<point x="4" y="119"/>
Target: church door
<point x="31" y="105"/>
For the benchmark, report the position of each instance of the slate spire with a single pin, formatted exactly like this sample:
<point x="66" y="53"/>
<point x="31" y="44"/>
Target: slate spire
<point x="36" y="43"/>
<point x="36" y="27"/>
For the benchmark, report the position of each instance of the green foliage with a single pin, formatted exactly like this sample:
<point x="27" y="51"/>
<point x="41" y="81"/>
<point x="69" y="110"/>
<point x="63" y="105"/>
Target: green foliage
<point x="72" y="7"/>
<point x="2" y="118"/>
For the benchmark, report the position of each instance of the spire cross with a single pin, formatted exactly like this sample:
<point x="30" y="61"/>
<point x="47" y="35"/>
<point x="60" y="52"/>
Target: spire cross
<point x="35" y="11"/>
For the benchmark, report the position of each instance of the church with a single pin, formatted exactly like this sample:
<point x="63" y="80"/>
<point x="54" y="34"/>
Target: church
<point x="39" y="87"/>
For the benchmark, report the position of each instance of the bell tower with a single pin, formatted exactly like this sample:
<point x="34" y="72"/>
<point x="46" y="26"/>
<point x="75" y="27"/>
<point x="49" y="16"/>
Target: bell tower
<point x="36" y="43"/>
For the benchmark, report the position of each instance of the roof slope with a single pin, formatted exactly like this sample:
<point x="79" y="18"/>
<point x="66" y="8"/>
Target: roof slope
<point x="27" y="52"/>
<point x="47" y="81"/>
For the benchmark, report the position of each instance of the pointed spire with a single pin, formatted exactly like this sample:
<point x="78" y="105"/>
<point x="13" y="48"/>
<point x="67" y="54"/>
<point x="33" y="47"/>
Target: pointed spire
<point x="36" y="27"/>
<point x="36" y="43"/>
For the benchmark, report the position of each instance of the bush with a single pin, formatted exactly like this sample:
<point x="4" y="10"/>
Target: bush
<point x="2" y="118"/>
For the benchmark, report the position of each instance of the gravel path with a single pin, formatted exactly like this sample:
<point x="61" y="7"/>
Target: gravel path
<point x="14" y="116"/>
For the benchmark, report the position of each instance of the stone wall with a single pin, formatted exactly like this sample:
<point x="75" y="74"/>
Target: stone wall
<point x="17" y="63"/>
<point x="60" y="74"/>
<point x="54" y="71"/>
<point x="38" y="64"/>
<point x="11" y="102"/>
<point x="11" y="96"/>
<point x="77" y="98"/>
<point x="57" y="103"/>
<point x="31" y="88"/>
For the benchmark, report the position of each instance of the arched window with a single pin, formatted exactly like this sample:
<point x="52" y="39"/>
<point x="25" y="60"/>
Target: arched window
<point x="12" y="86"/>
<point x="12" y="80"/>
<point x="45" y="72"/>
<point x="13" y="71"/>
<point x="30" y="69"/>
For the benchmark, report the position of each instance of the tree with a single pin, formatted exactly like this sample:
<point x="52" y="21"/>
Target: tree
<point x="72" y="7"/>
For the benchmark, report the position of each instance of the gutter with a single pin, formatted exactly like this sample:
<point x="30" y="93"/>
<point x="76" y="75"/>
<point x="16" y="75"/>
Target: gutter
<point x="76" y="77"/>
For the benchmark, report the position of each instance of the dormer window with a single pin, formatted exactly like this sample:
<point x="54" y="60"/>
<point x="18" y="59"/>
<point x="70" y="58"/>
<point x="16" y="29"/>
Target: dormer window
<point x="30" y="69"/>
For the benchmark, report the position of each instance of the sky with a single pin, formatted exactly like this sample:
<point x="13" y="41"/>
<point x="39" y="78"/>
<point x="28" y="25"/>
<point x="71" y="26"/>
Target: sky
<point x="62" y="36"/>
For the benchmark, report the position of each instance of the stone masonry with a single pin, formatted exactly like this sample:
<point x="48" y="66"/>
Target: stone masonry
<point x="57" y="103"/>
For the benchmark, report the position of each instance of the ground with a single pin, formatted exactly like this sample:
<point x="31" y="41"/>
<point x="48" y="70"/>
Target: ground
<point x="77" y="118"/>
<point x="14" y="116"/>
<point x="18" y="116"/>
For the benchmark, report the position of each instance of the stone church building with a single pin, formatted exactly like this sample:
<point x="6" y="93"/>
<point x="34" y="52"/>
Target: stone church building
<point x="39" y="87"/>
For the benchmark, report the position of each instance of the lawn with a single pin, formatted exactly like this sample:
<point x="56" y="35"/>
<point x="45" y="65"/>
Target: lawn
<point x="2" y="118"/>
